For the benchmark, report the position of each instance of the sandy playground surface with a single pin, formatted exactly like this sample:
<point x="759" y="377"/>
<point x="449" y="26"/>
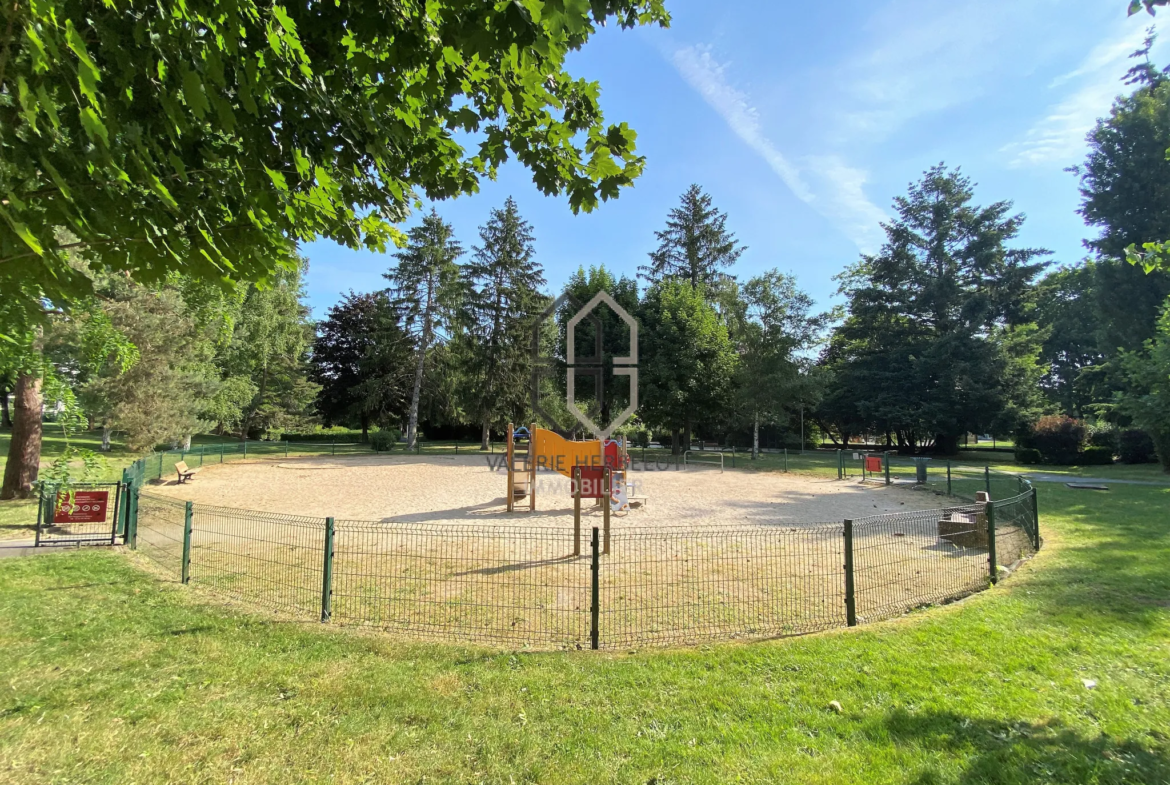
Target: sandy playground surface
<point x="465" y="490"/>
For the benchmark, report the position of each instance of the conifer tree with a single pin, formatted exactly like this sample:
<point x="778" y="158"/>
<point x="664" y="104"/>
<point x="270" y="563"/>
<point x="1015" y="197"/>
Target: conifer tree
<point x="426" y="288"/>
<point x="695" y="246"/>
<point x="502" y="298"/>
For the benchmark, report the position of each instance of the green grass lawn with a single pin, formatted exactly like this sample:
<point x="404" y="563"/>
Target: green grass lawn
<point x="111" y="676"/>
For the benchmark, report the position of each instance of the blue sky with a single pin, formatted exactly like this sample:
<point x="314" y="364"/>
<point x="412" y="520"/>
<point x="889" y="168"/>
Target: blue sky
<point x="804" y="120"/>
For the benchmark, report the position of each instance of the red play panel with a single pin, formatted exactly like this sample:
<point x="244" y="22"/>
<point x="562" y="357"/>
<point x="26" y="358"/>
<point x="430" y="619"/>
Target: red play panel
<point x="873" y="463"/>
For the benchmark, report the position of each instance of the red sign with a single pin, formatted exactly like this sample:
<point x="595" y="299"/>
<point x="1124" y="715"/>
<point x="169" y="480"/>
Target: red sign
<point x="85" y="507"/>
<point x="873" y="463"/>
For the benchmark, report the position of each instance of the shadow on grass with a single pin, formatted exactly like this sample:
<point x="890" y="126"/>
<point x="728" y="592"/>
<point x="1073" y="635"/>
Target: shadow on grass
<point x="1023" y="752"/>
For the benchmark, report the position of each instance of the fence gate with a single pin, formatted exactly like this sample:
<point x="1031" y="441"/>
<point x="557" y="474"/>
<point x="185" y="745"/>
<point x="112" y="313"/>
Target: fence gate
<point x="82" y="514"/>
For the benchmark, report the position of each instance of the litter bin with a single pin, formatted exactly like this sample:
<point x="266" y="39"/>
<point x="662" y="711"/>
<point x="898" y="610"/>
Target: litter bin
<point x="920" y="470"/>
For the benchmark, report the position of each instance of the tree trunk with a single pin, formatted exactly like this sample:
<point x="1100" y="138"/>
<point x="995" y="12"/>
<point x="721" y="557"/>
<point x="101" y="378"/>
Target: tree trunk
<point x="24" y="451"/>
<point x="485" y="437"/>
<point x="756" y="437"/>
<point x="412" y="423"/>
<point x="5" y="417"/>
<point x="89" y="425"/>
<point x="105" y="438"/>
<point x="187" y="443"/>
<point x="687" y="435"/>
<point x="365" y="428"/>
<point x="946" y="444"/>
<point x="674" y="442"/>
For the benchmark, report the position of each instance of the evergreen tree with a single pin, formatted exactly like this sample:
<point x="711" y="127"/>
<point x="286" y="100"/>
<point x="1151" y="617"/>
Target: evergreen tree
<point x="1125" y="190"/>
<point x="695" y="246"/>
<point x="269" y="345"/>
<point x="426" y="288"/>
<point x="929" y="350"/>
<point x="501" y="301"/>
<point x="1068" y="319"/>
<point x="687" y="360"/>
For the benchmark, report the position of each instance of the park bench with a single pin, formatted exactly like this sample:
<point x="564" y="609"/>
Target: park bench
<point x="184" y="472"/>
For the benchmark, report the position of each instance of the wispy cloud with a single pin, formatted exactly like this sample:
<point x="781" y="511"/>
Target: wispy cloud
<point x="706" y="76"/>
<point x="839" y="195"/>
<point x="1059" y="136"/>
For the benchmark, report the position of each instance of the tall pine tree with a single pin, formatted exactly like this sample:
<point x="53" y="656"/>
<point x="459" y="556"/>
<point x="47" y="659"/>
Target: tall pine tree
<point x="426" y="288"/>
<point x="502" y="298"/>
<point x="695" y="246"/>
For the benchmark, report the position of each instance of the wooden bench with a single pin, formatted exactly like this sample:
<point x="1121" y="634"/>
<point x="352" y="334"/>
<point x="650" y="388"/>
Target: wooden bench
<point x="184" y="472"/>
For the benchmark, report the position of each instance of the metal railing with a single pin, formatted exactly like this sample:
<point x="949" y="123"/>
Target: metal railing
<point x="687" y="461"/>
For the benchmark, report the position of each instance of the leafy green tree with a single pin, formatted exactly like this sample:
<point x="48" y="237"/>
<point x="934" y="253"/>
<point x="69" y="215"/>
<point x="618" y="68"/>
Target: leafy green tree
<point x="583" y="285"/>
<point x="928" y="350"/>
<point x="695" y="246"/>
<point x="1125" y="189"/>
<point x="774" y="325"/>
<point x="158" y="399"/>
<point x="1070" y="333"/>
<point x="48" y="363"/>
<point x="362" y="362"/>
<point x="501" y="303"/>
<point x="209" y="138"/>
<point x="427" y="288"/>
<point x="269" y="346"/>
<point x="687" y="362"/>
<point x="1147" y="397"/>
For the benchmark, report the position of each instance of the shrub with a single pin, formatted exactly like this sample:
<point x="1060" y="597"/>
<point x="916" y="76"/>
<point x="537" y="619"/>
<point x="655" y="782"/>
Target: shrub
<point x="339" y="436"/>
<point x="1027" y="455"/>
<point x="384" y="441"/>
<point x="1104" y="437"/>
<point x="1136" y="446"/>
<point x="1097" y="456"/>
<point x="1058" y="438"/>
<point x="637" y="434"/>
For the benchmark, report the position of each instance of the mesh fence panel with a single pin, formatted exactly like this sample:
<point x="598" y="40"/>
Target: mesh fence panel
<point x="1014" y="529"/>
<point x="683" y="586"/>
<point x="275" y="561"/>
<point x="526" y="586"/>
<point x="160" y="532"/>
<point x="472" y="583"/>
<point x="905" y="560"/>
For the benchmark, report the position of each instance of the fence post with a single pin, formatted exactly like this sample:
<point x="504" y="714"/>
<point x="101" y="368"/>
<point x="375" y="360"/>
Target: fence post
<point x="132" y="523"/>
<point x="607" y="496"/>
<point x="188" y="517"/>
<point x="733" y="456"/>
<point x="327" y="574"/>
<point x="850" y="588"/>
<point x="40" y="514"/>
<point x="949" y="478"/>
<point x="987" y="479"/>
<point x="221" y="452"/>
<point x="991" y="542"/>
<point x="286" y="448"/>
<point x="785" y="459"/>
<point x="576" y="510"/>
<point x="595" y="593"/>
<point x="1035" y="519"/>
<point x="840" y="466"/>
<point x="886" y="460"/>
<point x="245" y="447"/>
<point x="160" y="462"/>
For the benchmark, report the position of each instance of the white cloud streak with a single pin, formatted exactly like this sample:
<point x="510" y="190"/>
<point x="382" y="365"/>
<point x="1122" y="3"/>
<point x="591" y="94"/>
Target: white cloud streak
<point x="706" y="76"/>
<point x="839" y="195"/>
<point x="1059" y="136"/>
